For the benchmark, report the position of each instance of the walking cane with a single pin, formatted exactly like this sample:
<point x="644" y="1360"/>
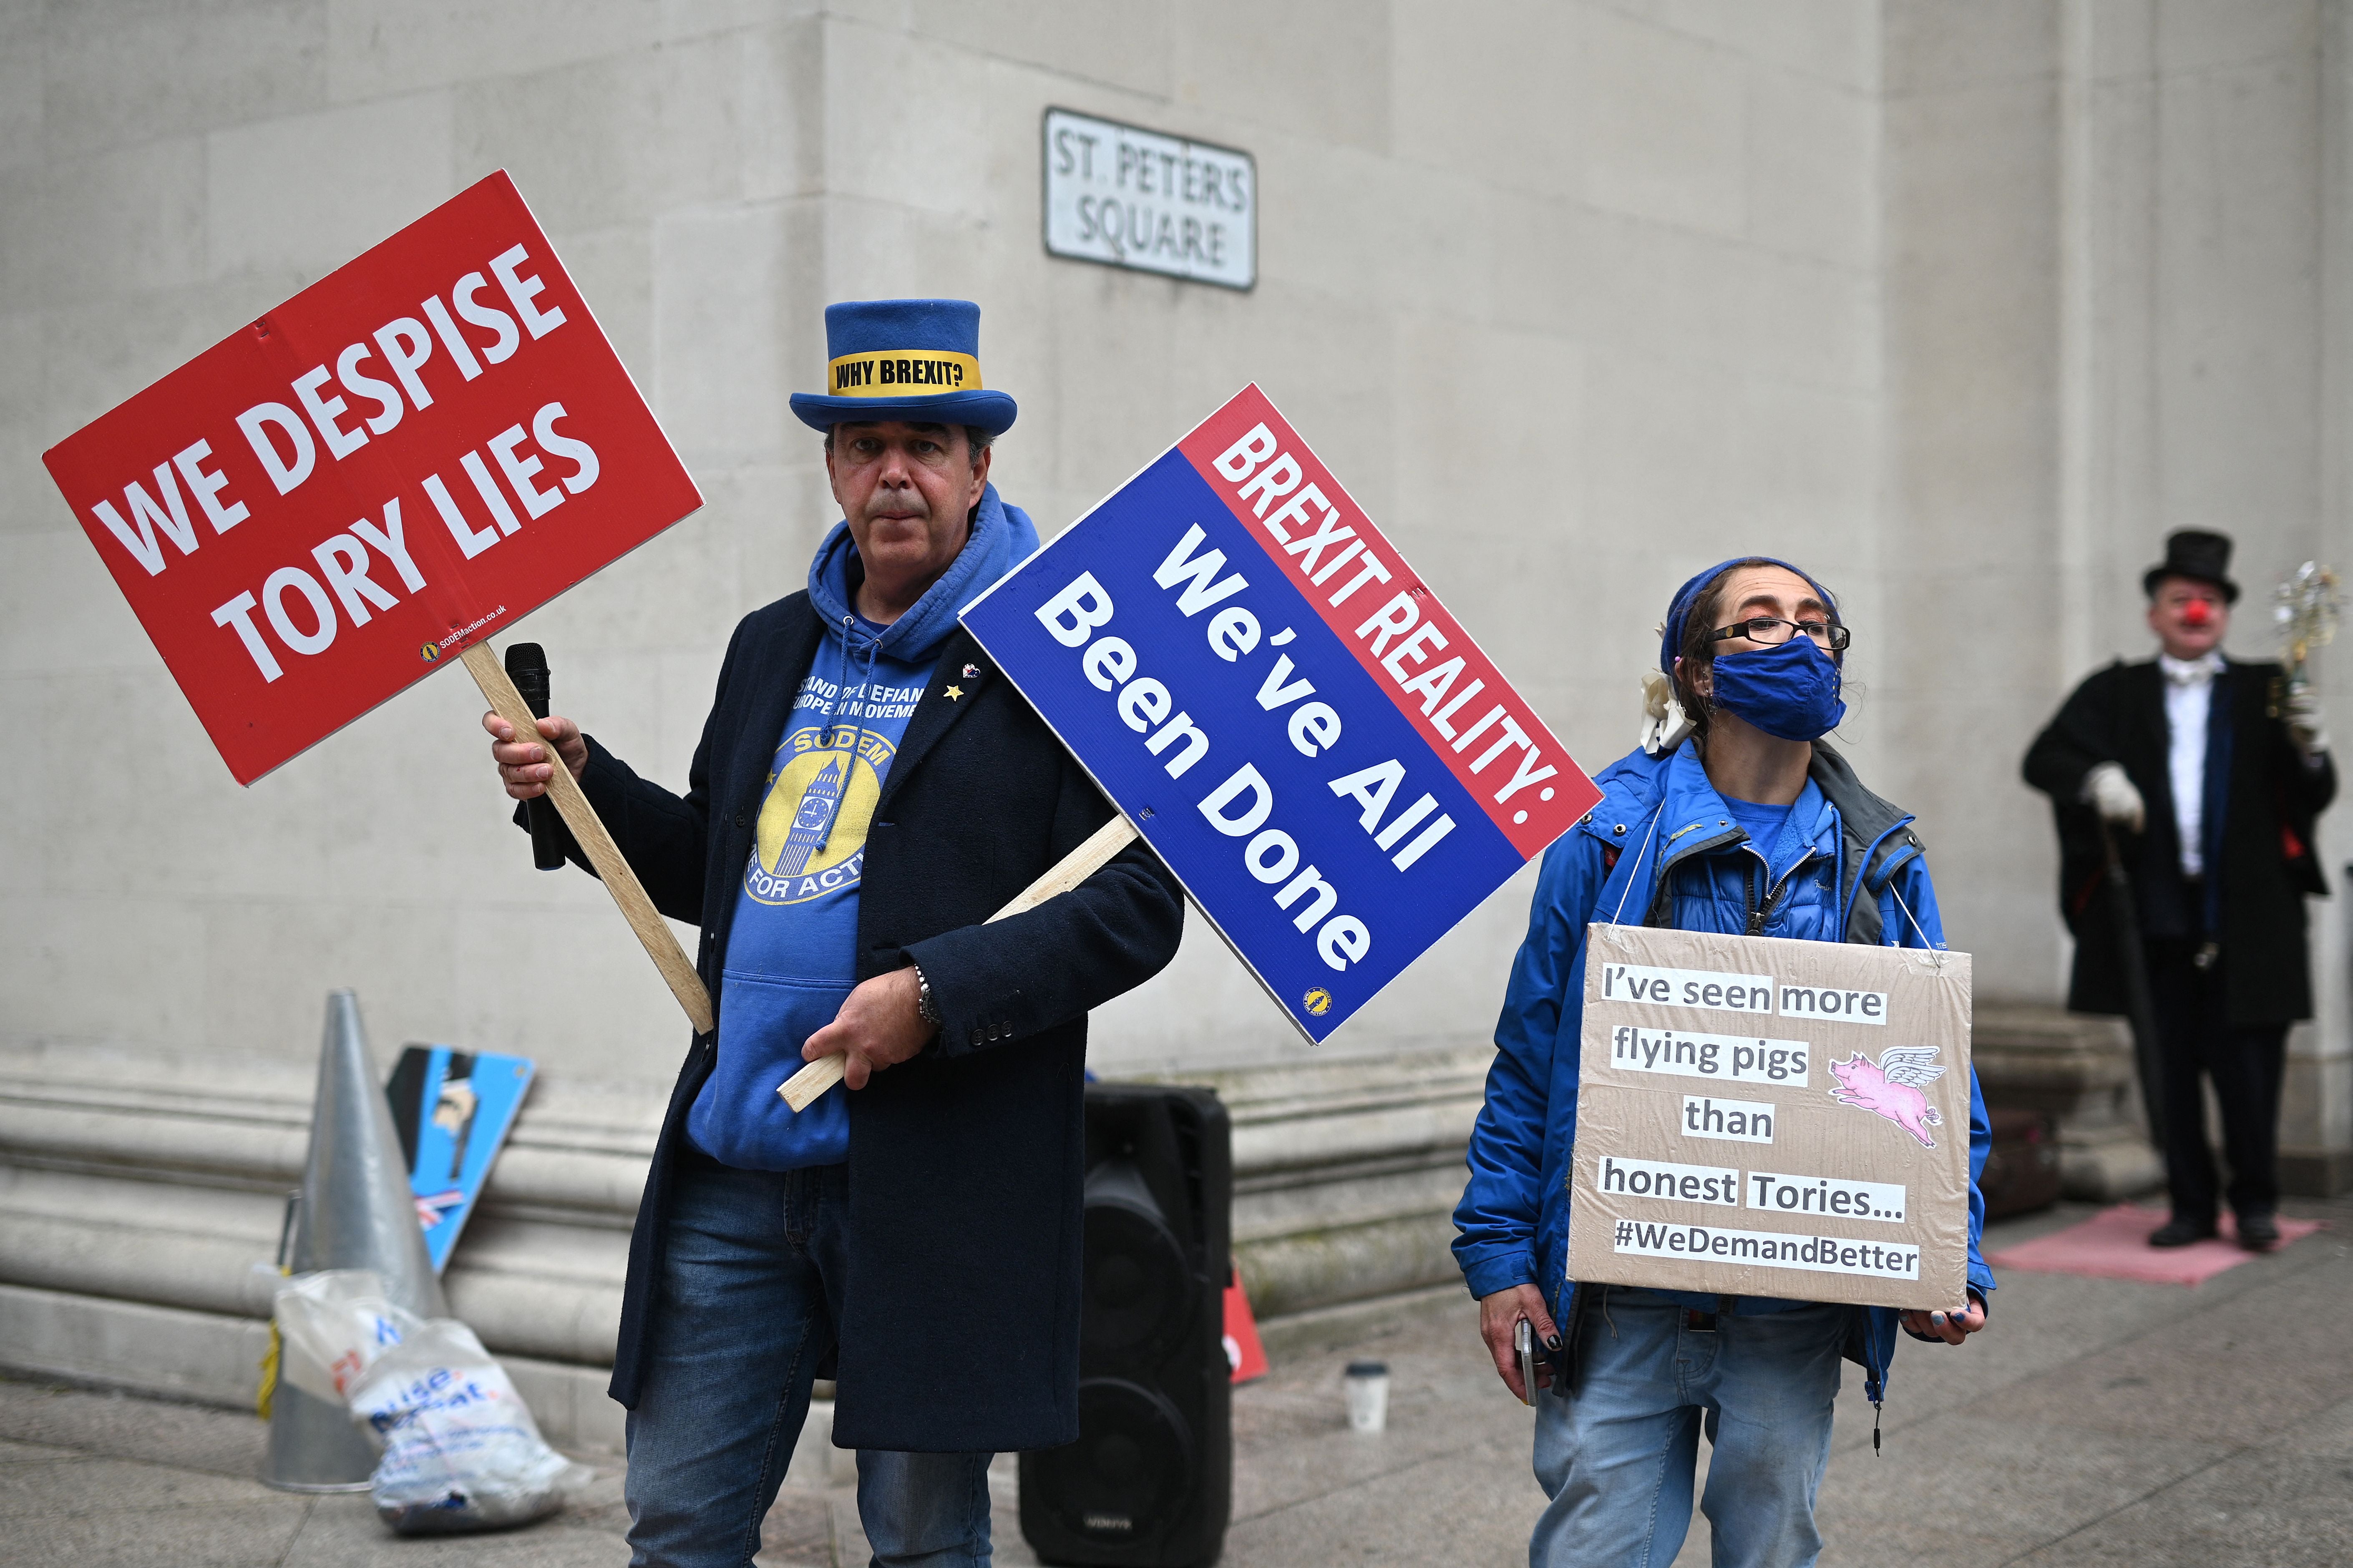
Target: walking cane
<point x="2140" y="1008"/>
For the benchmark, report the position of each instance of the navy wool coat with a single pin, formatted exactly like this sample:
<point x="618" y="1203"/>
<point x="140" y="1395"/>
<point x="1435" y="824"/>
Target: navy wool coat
<point x="2261" y="849"/>
<point x="959" y="1323"/>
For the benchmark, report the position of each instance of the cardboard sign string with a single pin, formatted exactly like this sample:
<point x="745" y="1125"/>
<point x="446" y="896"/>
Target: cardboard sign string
<point x="1611" y="930"/>
<point x="1636" y="867"/>
<point x="1926" y="946"/>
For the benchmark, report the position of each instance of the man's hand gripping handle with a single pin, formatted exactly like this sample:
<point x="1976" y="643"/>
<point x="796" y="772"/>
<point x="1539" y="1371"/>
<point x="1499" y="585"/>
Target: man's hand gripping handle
<point x="801" y="1089"/>
<point x="661" y="943"/>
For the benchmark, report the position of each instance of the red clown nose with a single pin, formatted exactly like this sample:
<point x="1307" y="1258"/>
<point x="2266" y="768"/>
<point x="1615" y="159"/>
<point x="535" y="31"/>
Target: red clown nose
<point x="2196" y="613"/>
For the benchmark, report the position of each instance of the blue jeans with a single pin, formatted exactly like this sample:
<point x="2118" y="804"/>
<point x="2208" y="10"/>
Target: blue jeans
<point x="743" y="1311"/>
<point x="1618" y="1460"/>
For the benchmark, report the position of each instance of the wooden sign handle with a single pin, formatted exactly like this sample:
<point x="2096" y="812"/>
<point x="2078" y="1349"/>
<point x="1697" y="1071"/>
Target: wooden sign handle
<point x="803" y="1088"/>
<point x="661" y="941"/>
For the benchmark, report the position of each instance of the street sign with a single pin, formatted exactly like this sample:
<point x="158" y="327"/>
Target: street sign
<point x="1130" y="197"/>
<point x="408" y="455"/>
<point x="1261" y="683"/>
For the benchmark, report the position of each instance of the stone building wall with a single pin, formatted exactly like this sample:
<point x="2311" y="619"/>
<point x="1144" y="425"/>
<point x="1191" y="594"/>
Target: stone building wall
<point x="1964" y="306"/>
<point x="2114" y="268"/>
<point x="1572" y="316"/>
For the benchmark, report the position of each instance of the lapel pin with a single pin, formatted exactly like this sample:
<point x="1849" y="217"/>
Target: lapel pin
<point x="970" y="670"/>
<point x="954" y="692"/>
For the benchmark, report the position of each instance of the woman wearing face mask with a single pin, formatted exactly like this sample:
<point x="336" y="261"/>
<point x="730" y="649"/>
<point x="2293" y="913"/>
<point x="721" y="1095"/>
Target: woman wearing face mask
<point x="1733" y="816"/>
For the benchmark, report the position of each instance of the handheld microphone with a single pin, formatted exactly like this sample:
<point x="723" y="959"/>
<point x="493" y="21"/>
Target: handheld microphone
<point x="527" y="667"/>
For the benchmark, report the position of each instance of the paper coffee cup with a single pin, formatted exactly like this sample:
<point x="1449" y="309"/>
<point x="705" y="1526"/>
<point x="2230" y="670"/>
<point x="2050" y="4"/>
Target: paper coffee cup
<point x="1368" y="1395"/>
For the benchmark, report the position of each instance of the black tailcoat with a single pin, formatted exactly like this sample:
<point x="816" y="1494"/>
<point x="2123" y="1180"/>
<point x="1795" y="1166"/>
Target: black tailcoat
<point x="2266" y="863"/>
<point x="960" y="1315"/>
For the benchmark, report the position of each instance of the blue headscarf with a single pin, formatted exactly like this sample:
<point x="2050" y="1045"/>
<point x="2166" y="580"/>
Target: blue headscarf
<point x="1678" y="608"/>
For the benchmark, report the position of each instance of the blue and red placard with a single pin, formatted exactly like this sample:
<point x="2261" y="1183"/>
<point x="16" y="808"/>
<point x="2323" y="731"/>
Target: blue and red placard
<point x="1259" y="680"/>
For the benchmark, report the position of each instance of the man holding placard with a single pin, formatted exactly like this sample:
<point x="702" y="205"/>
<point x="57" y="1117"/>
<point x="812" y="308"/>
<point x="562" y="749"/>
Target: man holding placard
<point x="1732" y="821"/>
<point x="868" y="791"/>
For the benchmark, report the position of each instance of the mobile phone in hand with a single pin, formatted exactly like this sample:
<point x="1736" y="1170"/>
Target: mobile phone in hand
<point x="1523" y="1345"/>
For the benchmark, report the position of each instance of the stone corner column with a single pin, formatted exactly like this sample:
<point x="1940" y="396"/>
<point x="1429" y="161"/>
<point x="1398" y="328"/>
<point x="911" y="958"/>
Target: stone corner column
<point x="2315" y="1156"/>
<point x="2077" y="1070"/>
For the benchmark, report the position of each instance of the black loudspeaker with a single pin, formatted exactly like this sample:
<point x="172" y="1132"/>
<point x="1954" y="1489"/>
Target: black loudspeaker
<point x="1149" y="1483"/>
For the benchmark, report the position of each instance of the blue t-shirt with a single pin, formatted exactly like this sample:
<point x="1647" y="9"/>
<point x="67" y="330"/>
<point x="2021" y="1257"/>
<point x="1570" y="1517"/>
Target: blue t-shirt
<point x="1766" y="826"/>
<point x="792" y="952"/>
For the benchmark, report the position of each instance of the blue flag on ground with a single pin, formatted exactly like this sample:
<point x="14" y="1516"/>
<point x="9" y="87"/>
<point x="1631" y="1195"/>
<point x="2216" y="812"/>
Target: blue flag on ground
<point x="453" y="1110"/>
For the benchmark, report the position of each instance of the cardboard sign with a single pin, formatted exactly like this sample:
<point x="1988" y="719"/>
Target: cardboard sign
<point x="453" y="1110"/>
<point x="1259" y="680"/>
<point x="1762" y="1117"/>
<point x="411" y="452"/>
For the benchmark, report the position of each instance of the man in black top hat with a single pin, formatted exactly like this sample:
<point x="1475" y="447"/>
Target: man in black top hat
<point x="2209" y="772"/>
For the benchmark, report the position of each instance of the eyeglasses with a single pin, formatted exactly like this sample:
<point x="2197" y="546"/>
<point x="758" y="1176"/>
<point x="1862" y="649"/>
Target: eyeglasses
<point x="1770" y="631"/>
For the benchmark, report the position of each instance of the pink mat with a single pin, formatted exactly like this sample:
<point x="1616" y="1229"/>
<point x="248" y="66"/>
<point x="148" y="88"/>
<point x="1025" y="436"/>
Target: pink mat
<point x="2114" y="1245"/>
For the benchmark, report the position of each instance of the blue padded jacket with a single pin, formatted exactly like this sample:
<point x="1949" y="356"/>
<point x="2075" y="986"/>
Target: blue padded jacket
<point x="1662" y="848"/>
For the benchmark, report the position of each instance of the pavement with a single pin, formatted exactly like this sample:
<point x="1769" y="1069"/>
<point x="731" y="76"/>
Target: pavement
<point x="2096" y="1421"/>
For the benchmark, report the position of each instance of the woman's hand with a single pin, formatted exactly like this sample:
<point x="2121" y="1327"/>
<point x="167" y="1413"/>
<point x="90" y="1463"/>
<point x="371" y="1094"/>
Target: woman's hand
<point x="1953" y="1328"/>
<point x="1497" y="1315"/>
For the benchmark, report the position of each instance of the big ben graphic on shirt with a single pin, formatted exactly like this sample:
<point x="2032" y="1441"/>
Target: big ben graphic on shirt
<point x="814" y="818"/>
<point x="820" y="797"/>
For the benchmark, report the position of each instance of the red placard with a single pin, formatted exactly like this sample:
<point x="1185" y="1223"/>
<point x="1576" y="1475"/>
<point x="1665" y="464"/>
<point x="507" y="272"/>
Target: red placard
<point x="417" y="450"/>
<point x="1417" y="653"/>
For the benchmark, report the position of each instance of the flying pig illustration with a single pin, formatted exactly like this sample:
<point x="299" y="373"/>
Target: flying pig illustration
<point x="1892" y="1088"/>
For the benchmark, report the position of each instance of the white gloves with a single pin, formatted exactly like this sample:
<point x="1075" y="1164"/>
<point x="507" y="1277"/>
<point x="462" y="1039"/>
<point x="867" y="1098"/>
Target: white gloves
<point x="2301" y="710"/>
<point x="2115" y="796"/>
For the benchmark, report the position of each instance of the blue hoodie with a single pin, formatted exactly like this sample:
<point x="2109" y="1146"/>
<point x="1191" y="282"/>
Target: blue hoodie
<point x="792" y="952"/>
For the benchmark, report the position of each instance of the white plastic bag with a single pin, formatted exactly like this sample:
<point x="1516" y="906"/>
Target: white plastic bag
<point x="334" y="1324"/>
<point x="461" y="1449"/>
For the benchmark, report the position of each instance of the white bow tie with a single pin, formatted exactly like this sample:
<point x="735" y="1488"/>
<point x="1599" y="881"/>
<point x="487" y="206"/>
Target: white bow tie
<point x="2191" y="671"/>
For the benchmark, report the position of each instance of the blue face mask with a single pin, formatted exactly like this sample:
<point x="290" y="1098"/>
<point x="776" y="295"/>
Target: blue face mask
<point x="1790" y="692"/>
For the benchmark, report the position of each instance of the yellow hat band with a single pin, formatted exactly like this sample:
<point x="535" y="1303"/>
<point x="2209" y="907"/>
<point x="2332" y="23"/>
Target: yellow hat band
<point x="901" y="373"/>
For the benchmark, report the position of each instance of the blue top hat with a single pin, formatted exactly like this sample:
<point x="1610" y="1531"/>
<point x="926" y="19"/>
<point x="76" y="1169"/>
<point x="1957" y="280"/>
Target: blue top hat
<point x="916" y="360"/>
